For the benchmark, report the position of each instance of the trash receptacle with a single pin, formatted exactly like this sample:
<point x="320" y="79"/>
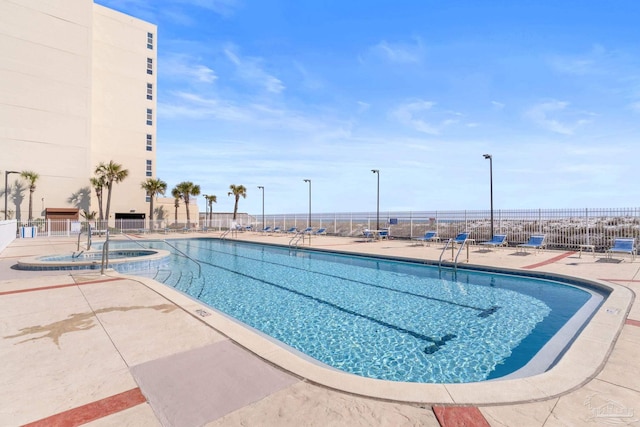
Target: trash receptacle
<point x="28" y="232"/>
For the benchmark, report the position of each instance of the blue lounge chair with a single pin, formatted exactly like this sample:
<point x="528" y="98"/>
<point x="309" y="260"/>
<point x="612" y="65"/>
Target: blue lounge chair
<point x="307" y="230"/>
<point x="368" y="234"/>
<point x="292" y="230"/>
<point x="429" y="236"/>
<point x="461" y="238"/>
<point x="320" y="231"/>
<point x="626" y="246"/>
<point x="277" y="230"/>
<point x="383" y="234"/>
<point x="535" y="242"/>
<point x="267" y="229"/>
<point x="496" y="241"/>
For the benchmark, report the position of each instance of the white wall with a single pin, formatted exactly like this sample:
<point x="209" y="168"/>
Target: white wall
<point x="7" y="233"/>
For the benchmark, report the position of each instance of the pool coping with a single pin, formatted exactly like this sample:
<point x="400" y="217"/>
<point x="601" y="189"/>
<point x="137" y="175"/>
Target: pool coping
<point x="581" y="362"/>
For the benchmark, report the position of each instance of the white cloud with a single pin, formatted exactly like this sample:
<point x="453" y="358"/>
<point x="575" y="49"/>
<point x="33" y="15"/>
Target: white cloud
<point x="497" y="105"/>
<point x="250" y="70"/>
<point x="421" y="116"/>
<point x="556" y="117"/>
<point x="404" y="53"/>
<point x="183" y="66"/>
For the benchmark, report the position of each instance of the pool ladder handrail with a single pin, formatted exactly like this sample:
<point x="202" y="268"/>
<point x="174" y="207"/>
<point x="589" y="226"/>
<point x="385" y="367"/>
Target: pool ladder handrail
<point x="170" y="245"/>
<point x="455" y="260"/>
<point x="296" y="238"/>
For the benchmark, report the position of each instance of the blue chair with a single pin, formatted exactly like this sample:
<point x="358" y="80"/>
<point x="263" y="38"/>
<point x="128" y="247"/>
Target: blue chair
<point x="383" y="234"/>
<point x="496" y="241"/>
<point x="626" y="245"/>
<point x="320" y="231"/>
<point x="461" y="238"/>
<point x="429" y="236"/>
<point x="368" y="234"/>
<point x="307" y="230"/>
<point x="536" y="242"/>
<point x="267" y="229"/>
<point x="292" y="230"/>
<point x="277" y="230"/>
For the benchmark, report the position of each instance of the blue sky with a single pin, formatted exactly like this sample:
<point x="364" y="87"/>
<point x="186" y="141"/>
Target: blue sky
<point x="269" y="93"/>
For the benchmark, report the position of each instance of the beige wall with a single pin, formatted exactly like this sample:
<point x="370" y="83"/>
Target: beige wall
<point x="73" y="94"/>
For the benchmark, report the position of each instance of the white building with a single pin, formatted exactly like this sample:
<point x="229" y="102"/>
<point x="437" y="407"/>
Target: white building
<point x="77" y="87"/>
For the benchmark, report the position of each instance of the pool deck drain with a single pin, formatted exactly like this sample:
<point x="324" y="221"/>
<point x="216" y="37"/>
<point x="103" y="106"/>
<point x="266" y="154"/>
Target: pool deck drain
<point x="96" y="359"/>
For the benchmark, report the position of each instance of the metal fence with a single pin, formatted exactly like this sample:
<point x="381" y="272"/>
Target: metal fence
<point x="564" y="228"/>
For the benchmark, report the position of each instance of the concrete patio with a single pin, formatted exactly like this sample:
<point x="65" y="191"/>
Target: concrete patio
<point x="84" y="349"/>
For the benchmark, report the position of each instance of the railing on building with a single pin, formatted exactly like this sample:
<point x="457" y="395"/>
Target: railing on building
<point x="564" y="228"/>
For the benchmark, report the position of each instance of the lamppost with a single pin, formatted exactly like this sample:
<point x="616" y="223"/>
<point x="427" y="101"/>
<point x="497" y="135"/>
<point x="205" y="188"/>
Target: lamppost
<point x="262" y="188"/>
<point x="309" y="221"/>
<point x="206" y="209"/>
<point x="490" y="157"/>
<point x="377" y="172"/>
<point x="6" y="186"/>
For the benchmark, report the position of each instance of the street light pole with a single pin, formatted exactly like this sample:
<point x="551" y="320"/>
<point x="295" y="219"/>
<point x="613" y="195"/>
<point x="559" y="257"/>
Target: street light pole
<point x="6" y="186"/>
<point x="262" y="188"/>
<point x="490" y="157"/>
<point x="206" y="209"/>
<point x="309" y="221"/>
<point x="377" y="172"/>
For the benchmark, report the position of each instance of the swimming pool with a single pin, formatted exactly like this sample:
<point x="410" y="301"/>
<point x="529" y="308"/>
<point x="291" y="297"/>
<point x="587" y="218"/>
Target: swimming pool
<point x="386" y="319"/>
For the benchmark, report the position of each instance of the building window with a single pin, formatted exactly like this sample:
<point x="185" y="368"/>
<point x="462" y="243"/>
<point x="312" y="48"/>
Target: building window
<point x="150" y="41"/>
<point x="148" y="199"/>
<point x="150" y="91"/>
<point x="149" y="65"/>
<point x="149" y="116"/>
<point x="149" y="168"/>
<point x="149" y="142"/>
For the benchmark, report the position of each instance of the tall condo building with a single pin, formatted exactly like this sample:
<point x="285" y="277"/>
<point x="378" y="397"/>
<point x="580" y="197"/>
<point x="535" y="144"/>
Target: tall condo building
<point x="77" y="88"/>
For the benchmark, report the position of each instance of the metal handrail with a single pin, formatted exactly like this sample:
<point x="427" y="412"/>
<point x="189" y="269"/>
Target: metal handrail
<point x="169" y="244"/>
<point x="296" y="238"/>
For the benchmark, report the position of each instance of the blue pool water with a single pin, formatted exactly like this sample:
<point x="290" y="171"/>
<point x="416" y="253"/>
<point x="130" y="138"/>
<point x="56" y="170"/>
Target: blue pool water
<point x="377" y="318"/>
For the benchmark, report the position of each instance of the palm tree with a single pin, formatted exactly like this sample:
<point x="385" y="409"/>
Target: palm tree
<point x="237" y="191"/>
<point x="153" y="187"/>
<point x="31" y="177"/>
<point x="210" y="200"/>
<point x="98" y="184"/>
<point x="187" y="189"/>
<point x="176" y="202"/>
<point x="110" y="173"/>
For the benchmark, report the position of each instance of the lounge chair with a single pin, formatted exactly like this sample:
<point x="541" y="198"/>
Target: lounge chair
<point x="292" y="230"/>
<point x="320" y="231"/>
<point x="461" y="238"/>
<point x="496" y="241"/>
<point x="307" y="230"/>
<point x="626" y="246"/>
<point x="429" y="236"/>
<point x="535" y="242"/>
<point x="267" y="229"/>
<point x="383" y="234"/>
<point x="368" y="234"/>
<point x="277" y="230"/>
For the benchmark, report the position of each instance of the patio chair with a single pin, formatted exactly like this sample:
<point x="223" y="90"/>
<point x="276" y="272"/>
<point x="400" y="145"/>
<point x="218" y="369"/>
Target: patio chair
<point x="368" y="234"/>
<point x="496" y="241"/>
<point x="383" y="234"/>
<point x="292" y="230"/>
<point x="623" y="245"/>
<point x="277" y="230"/>
<point x="535" y="242"/>
<point x="429" y="236"/>
<point x="307" y="230"/>
<point x="267" y="229"/>
<point x="461" y="238"/>
<point x="320" y="231"/>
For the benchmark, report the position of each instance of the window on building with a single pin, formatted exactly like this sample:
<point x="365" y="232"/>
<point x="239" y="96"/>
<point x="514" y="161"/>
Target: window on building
<point x="150" y="91"/>
<point x="150" y="41"/>
<point x="149" y="65"/>
<point x="149" y="116"/>
<point x="148" y="199"/>
<point x="149" y="142"/>
<point x="149" y="168"/>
